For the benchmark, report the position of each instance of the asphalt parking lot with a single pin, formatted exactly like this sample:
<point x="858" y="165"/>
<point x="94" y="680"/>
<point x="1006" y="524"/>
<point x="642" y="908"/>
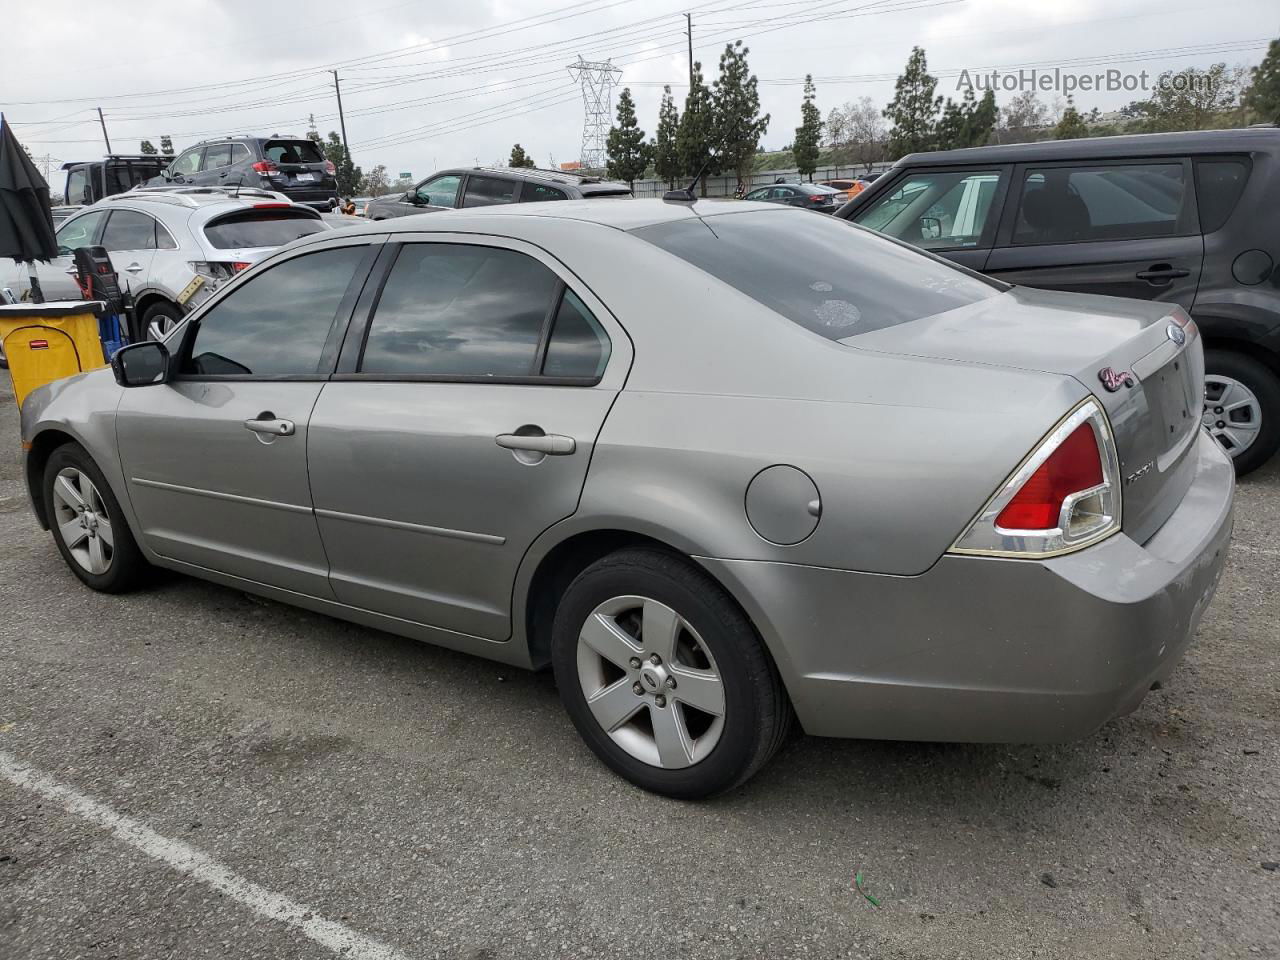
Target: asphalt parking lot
<point x="190" y="772"/>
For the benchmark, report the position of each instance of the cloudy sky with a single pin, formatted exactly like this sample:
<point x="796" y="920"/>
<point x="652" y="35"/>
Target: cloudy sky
<point x="427" y="83"/>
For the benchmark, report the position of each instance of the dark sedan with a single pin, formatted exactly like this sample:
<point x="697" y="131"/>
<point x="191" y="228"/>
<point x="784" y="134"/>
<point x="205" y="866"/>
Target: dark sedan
<point x="812" y="196"/>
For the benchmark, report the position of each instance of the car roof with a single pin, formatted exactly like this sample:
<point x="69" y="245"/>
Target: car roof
<point x="206" y="203"/>
<point x="572" y="178"/>
<point x="621" y="214"/>
<point x="1136" y="145"/>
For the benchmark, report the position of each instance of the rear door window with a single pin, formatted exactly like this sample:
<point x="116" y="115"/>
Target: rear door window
<point x="129" y="230"/>
<point x="940" y="210"/>
<point x="217" y="155"/>
<point x="261" y="228"/>
<point x="836" y="280"/>
<point x="488" y="192"/>
<point x="537" y="192"/>
<point x="293" y="151"/>
<point x="1219" y="184"/>
<point x="459" y="310"/>
<point x="1121" y="202"/>
<point x="578" y="346"/>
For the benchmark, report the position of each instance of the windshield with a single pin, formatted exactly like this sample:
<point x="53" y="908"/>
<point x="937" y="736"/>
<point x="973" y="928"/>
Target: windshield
<point x="835" y="279"/>
<point x="262" y="228"/>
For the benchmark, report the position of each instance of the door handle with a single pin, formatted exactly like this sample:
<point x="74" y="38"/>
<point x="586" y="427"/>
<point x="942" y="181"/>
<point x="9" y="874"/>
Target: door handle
<point x="268" y="424"/>
<point x="550" y="444"/>
<point x="1162" y="273"/>
<point x="134" y="267"/>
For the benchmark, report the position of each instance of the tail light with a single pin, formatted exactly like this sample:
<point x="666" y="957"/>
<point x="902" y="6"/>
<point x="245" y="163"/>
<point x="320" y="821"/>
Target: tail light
<point x="1065" y="496"/>
<point x="329" y="168"/>
<point x="266" y="166"/>
<point x="219" y="269"/>
<point x="819" y="198"/>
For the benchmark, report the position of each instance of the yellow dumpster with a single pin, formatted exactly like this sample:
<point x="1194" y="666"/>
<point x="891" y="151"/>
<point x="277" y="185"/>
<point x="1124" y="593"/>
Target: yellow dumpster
<point x="44" y="342"/>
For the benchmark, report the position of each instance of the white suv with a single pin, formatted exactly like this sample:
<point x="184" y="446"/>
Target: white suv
<point x="171" y="248"/>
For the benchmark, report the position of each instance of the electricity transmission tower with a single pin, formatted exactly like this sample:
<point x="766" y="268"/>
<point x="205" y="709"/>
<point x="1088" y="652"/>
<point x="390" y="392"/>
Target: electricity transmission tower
<point x="597" y="79"/>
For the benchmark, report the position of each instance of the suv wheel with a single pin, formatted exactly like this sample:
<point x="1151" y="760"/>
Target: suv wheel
<point x="91" y="532"/>
<point x="159" y="319"/>
<point x="1242" y="407"/>
<point x="664" y="676"/>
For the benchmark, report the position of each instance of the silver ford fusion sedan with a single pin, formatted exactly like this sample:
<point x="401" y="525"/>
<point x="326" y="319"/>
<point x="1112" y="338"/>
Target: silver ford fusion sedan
<point x="722" y="466"/>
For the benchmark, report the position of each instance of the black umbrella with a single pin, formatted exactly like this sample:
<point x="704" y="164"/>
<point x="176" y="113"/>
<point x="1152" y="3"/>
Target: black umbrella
<point x="26" y="222"/>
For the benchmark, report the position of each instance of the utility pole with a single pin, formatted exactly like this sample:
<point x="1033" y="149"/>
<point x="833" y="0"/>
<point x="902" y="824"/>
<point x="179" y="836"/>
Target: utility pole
<point x="342" y="121"/>
<point x="689" y="21"/>
<point x="104" y="129"/>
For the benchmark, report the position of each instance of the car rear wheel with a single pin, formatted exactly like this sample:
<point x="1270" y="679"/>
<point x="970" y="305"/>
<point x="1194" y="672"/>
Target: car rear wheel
<point x="1241" y="407"/>
<point x="88" y="526"/>
<point x="159" y="319"/>
<point x="664" y="677"/>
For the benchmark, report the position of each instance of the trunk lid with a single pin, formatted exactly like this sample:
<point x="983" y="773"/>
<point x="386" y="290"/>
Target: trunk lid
<point x="1126" y="352"/>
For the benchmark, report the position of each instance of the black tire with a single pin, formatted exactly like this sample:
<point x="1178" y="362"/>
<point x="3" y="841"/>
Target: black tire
<point x="757" y="713"/>
<point x="164" y="315"/>
<point x="126" y="566"/>
<point x="1265" y="385"/>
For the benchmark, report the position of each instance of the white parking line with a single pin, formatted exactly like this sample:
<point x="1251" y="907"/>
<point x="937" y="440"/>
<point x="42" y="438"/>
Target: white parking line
<point x="186" y="859"/>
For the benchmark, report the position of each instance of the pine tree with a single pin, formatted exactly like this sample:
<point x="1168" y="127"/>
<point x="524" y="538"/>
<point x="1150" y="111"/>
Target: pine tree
<point x="148" y="147"/>
<point x="347" y="174"/>
<point x="982" y="121"/>
<point x="696" y="137"/>
<point x="737" y="123"/>
<point x="1072" y="125"/>
<point x="1263" y="96"/>
<point x="914" y="109"/>
<point x="809" y="133"/>
<point x="666" y="160"/>
<point x="952" y="126"/>
<point x="519" y="158"/>
<point x="166" y="145"/>
<point x="629" y="154"/>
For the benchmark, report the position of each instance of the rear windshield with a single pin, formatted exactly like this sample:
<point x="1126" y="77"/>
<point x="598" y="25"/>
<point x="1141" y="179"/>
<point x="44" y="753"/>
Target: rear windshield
<point x="261" y="228"/>
<point x="833" y="278"/>
<point x="293" y="151"/>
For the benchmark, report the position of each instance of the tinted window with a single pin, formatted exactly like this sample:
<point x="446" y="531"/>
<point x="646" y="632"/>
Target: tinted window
<point x="761" y="194"/>
<point x="127" y="230"/>
<point x="440" y="192"/>
<point x="935" y="210"/>
<point x="218" y="155"/>
<point x="1123" y="202"/>
<point x="239" y="153"/>
<point x="261" y="228"/>
<point x="277" y="323"/>
<point x="1219" y="184"/>
<point x="836" y="280"/>
<point x="487" y="191"/>
<point x="187" y="163"/>
<point x="164" y="239"/>
<point x="533" y="192"/>
<point x="578" y="346"/>
<point x="293" y="151"/>
<point x="78" y="232"/>
<point x="452" y="309"/>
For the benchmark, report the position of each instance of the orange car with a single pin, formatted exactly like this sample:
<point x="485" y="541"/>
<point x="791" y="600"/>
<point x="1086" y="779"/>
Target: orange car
<point x="850" y="188"/>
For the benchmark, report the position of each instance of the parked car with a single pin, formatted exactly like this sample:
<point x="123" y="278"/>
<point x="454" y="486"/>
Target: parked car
<point x="810" y="196"/>
<point x="61" y="213"/>
<point x="293" y="166"/>
<point x="492" y="186"/>
<point x="89" y="181"/>
<point x="712" y="487"/>
<point x="847" y="188"/>
<point x="171" y="248"/>
<point x="1180" y="218"/>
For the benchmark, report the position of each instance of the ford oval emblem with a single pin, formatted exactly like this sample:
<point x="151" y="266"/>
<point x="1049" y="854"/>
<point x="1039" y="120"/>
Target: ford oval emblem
<point x="1176" y="334"/>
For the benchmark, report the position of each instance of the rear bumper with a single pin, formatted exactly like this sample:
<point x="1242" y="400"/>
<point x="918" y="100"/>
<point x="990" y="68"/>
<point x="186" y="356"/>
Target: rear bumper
<point x="981" y="649"/>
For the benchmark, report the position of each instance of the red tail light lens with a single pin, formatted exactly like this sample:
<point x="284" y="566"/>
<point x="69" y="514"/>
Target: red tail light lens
<point x="329" y="168"/>
<point x="266" y="166"/>
<point x="238" y="265"/>
<point x="1074" y="467"/>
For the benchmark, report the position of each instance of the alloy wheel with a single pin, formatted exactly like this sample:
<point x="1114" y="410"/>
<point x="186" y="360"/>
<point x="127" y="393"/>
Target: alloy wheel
<point x="1232" y="413"/>
<point x="650" y="682"/>
<point x="82" y="521"/>
<point x="159" y="329"/>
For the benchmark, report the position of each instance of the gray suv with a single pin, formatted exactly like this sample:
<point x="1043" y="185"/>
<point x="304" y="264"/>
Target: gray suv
<point x="491" y="186"/>
<point x="293" y="166"/>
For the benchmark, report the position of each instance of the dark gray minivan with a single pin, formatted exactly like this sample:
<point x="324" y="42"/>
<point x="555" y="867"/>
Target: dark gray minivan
<point x="1187" y="218"/>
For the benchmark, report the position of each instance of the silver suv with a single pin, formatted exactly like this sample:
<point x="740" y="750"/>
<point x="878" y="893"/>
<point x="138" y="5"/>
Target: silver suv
<point x="171" y="248"/>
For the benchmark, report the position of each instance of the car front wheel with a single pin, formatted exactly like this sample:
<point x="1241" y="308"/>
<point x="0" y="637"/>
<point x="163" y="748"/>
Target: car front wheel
<point x="1241" y="407"/>
<point x="664" y="677"/>
<point x="87" y="523"/>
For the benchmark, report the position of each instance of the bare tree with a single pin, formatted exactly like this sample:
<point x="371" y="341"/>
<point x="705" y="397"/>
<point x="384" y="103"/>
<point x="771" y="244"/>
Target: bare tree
<point x="868" y="133"/>
<point x="1020" y="118"/>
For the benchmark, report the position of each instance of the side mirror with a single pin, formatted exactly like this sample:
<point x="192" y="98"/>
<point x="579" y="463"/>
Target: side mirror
<point x="141" y="364"/>
<point x="930" y="228"/>
<point x="412" y="197"/>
